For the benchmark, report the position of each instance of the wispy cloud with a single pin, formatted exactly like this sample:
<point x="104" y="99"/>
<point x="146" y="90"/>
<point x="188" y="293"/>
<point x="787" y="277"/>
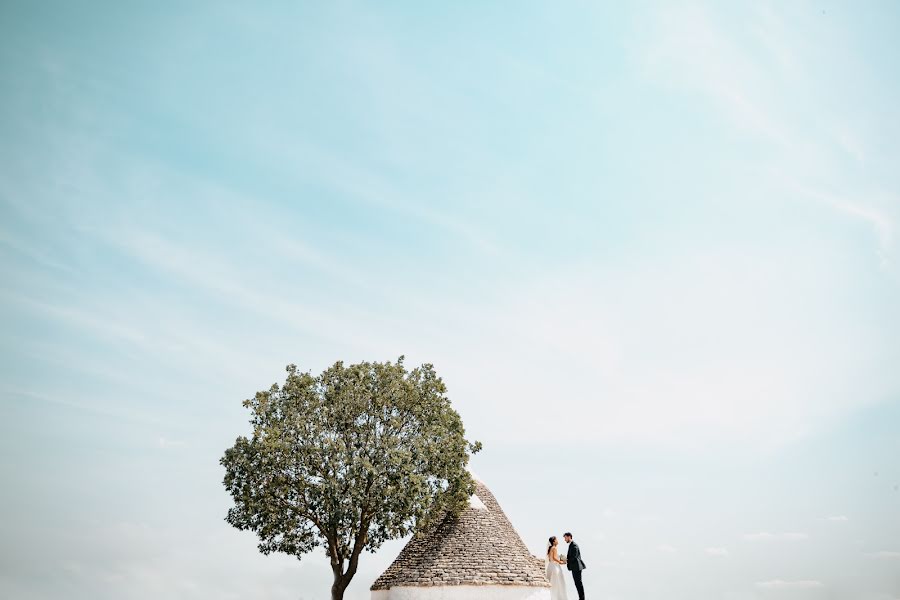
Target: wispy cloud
<point x="136" y="329"/>
<point x="766" y="536"/>
<point x="166" y="443"/>
<point x="691" y="51"/>
<point x="33" y="253"/>
<point x="90" y="406"/>
<point x="195" y="269"/>
<point x="738" y="381"/>
<point x="881" y="224"/>
<point x="885" y="554"/>
<point x="744" y="80"/>
<point x="797" y="584"/>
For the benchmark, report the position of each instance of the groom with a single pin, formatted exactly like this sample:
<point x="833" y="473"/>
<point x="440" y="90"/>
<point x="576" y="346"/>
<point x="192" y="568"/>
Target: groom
<point x="575" y="564"/>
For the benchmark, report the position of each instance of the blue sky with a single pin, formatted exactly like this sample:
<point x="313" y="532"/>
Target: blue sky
<point x="652" y="250"/>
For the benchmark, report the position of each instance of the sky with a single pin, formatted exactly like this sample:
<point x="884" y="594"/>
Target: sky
<point x="651" y="249"/>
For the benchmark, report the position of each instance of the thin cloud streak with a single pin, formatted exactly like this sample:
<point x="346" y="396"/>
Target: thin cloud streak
<point x="766" y="536"/>
<point x="690" y="43"/>
<point x="781" y="584"/>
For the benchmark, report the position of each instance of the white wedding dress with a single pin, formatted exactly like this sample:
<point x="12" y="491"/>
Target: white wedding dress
<point x="556" y="574"/>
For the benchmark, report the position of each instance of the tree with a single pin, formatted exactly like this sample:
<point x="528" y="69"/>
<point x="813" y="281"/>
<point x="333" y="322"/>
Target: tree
<point x="359" y="455"/>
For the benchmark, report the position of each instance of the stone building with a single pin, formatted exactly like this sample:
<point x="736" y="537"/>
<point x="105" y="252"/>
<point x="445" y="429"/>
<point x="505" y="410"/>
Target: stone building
<point x="475" y="556"/>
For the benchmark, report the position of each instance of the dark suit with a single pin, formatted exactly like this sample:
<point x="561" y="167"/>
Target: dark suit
<point x="576" y="565"/>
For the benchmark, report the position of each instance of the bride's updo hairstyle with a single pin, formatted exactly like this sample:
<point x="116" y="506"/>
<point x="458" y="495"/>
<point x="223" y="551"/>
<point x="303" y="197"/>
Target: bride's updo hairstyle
<point x="550" y="547"/>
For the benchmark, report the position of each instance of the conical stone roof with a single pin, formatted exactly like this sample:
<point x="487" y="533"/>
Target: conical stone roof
<point x="478" y="547"/>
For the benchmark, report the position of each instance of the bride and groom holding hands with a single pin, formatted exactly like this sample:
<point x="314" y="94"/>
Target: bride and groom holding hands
<point x="555" y="562"/>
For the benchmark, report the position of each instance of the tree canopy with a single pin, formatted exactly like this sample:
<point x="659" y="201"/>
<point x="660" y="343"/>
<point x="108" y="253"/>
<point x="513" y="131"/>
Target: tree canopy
<point x="346" y="460"/>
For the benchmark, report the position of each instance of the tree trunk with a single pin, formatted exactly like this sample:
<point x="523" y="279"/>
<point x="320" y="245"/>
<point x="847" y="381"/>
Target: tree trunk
<point x="341" y="581"/>
<point x="337" y="588"/>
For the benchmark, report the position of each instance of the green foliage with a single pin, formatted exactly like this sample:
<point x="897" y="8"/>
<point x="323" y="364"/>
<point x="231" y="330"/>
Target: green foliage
<point x="347" y="460"/>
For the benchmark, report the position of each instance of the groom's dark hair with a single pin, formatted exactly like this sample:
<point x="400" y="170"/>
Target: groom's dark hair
<point x="568" y="534"/>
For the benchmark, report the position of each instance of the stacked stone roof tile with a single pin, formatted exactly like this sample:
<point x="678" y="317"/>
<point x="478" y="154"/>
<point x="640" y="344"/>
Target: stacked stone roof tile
<point x="478" y="547"/>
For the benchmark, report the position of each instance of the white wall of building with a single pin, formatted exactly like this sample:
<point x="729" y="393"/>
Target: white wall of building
<point x="463" y="592"/>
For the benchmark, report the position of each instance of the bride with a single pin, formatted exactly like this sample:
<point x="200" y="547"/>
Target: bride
<point x="555" y="572"/>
